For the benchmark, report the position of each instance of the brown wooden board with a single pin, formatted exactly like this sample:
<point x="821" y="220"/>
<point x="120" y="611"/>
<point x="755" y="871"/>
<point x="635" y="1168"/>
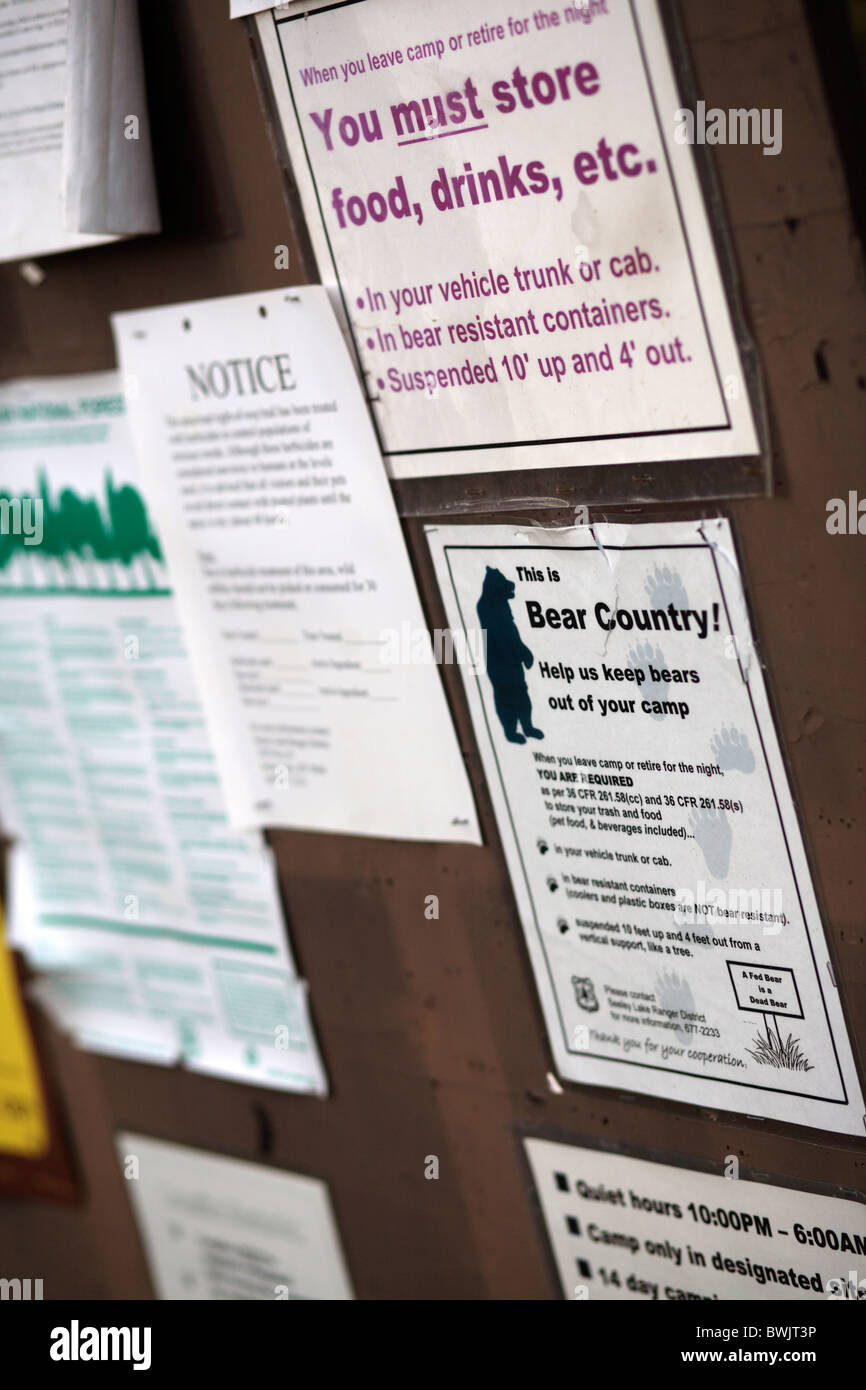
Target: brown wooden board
<point x="431" y="1030"/>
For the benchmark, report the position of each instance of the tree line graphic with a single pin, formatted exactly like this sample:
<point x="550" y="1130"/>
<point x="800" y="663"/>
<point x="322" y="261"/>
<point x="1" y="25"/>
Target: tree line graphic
<point x="84" y="533"/>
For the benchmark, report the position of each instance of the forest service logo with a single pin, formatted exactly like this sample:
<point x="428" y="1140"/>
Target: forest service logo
<point x="584" y="993"/>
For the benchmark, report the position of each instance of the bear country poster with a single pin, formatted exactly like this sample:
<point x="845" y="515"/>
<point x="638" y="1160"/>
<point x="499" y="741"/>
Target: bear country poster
<point x="510" y="223"/>
<point x="646" y="816"/>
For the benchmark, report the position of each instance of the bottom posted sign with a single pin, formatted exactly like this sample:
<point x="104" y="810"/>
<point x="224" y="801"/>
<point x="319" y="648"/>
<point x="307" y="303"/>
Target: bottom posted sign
<point x="220" y="1228"/>
<point x="646" y="816"/>
<point x="626" y="1228"/>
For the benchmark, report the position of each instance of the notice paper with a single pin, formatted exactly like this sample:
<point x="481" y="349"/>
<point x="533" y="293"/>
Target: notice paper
<point x="220" y="1228"/>
<point x="300" y="607"/>
<point x="500" y="204"/>
<point x="646" y="816"/>
<point x="33" y="67"/>
<point x="627" y="1228"/>
<point x="75" y="162"/>
<point x="108" y="178"/>
<point x="159" y="928"/>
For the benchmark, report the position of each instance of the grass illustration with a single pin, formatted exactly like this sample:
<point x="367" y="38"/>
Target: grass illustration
<point x="773" y="1052"/>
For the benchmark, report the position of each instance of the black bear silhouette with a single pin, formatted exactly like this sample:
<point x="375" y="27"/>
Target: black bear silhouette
<point x="507" y="655"/>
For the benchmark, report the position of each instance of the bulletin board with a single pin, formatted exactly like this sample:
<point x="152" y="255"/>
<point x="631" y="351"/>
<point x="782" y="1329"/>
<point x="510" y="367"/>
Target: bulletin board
<point x="430" y="1029"/>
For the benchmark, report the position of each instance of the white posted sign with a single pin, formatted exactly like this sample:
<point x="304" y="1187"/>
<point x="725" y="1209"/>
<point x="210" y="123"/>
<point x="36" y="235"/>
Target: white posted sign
<point x="222" y="1229"/>
<point x="500" y="201"/>
<point x="626" y="1228"/>
<point x="646" y="816"/>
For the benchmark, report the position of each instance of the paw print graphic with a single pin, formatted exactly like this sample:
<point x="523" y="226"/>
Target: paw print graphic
<point x="664" y="586"/>
<point x="730" y="748"/>
<point x="712" y="831"/>
<point x="672" y="992"/>
<point x="640" y="658"/>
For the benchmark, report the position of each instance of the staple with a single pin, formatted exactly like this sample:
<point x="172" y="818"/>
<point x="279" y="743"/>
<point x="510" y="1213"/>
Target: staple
<point x="32" y="272"/>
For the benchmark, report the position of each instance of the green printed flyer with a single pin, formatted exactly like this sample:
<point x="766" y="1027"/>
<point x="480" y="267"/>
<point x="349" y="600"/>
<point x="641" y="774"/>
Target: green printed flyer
<point x="158" y="927"/>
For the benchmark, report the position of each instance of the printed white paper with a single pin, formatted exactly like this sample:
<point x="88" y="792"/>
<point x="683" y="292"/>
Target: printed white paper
<point x="646" y="816"/>
<point x="627" y="1228"/>
<point x="108" y="179"/>
<point x="223" y="1229"/>
<point x="499" y="204"/>
<point x="292" y="575"/>
<point x="160" y="929"/>
<point x="239" y="8"/>
<point x="33" y="78"/>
